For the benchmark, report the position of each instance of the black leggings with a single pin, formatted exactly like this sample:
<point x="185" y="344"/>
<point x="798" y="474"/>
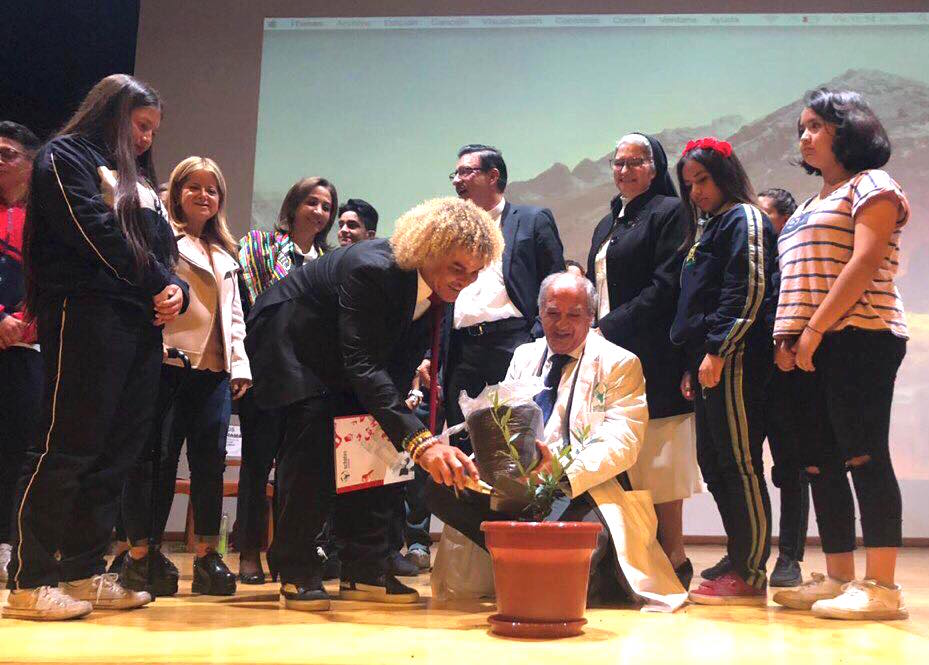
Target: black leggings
<point x="846" y="403"/>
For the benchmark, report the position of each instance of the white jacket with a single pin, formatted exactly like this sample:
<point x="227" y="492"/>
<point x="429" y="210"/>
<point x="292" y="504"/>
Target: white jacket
<point x="178" y="333"/>
<point x="609" y="396"/>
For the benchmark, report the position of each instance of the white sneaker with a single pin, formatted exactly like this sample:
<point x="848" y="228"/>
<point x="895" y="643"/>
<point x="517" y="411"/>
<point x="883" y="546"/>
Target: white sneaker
<point x="802" y="597"/>
<point x="6" y="551"/>
<point x="864" y="600"/>
<point x="44" y="603"/>
<point x="106" y="593"/>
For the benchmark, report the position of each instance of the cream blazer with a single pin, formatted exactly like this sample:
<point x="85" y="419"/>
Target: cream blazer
<point x="609" y="397"/>
<point x="232" y="323"/>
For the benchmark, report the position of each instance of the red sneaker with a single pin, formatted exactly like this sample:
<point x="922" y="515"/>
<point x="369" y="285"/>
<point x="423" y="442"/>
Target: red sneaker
<point x="729" y="589"/>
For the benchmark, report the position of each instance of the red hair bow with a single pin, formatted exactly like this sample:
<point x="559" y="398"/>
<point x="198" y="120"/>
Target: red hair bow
<point x="724" y="148"/>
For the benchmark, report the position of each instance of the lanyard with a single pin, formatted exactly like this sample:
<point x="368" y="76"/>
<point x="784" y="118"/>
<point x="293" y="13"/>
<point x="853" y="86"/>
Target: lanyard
<point x="566" y="421"/>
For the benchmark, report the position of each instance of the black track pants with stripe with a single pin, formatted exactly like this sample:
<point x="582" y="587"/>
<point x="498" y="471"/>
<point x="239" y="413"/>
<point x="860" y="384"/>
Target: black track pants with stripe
<point x="730" y="435"/>
<point x="102" y="363"/>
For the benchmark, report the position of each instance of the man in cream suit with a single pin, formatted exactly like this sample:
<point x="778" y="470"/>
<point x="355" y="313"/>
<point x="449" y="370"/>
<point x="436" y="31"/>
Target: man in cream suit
<point x="599" y="384"/>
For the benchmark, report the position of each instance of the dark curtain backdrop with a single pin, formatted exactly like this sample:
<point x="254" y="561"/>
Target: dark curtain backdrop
<point x="53" y="51"/>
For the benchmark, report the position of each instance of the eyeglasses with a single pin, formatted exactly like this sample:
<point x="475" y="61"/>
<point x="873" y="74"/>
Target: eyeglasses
<point x="633" y="163"/>
<point x="464" y="172"/>
<point x="10" y="155"/>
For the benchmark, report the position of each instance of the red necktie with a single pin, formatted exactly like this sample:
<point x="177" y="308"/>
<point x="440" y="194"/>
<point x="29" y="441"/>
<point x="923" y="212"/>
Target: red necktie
<point x="437" y="309"/>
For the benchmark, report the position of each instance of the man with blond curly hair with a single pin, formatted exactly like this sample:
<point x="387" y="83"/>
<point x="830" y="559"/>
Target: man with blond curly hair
<point x="341" y="336"/>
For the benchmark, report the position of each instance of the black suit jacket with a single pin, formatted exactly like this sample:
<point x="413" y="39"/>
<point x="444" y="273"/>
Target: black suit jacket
<point x="643" y="272"/>
<point x="341" y="325"/>
<point x="532" y="250"/>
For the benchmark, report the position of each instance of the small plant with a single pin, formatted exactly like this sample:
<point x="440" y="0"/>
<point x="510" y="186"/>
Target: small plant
<point x="544" y="487"/>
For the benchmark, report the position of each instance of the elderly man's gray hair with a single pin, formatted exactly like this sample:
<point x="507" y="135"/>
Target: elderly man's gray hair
<point x="593" y="300"/>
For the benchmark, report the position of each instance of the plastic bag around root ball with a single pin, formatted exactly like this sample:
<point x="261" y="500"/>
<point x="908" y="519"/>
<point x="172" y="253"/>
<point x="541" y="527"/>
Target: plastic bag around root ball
<point x="487" y="438"/>
<point x="462" y="570"/>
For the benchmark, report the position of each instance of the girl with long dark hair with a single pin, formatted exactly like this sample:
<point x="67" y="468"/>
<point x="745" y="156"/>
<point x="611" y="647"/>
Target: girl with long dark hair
<point x="99" y="257"/>
<point x="721" y="323"/>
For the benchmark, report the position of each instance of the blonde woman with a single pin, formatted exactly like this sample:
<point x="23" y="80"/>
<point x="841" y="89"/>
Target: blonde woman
<point x="212" y="334"/>
<point x="343" y="335"/>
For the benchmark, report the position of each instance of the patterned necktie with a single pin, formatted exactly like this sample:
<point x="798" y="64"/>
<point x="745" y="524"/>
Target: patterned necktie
<point x="546" y="398"/>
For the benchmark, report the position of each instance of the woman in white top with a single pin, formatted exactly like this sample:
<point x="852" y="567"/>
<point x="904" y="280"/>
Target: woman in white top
<point x="211" y="334"/>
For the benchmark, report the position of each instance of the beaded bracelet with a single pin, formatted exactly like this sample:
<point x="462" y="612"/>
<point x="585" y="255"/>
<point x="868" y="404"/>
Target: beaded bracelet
<point x="409" y="445"/>
<point x="421" y="448"/>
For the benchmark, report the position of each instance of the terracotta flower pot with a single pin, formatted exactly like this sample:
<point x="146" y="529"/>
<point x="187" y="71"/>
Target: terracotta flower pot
<point x="541" y="570"/>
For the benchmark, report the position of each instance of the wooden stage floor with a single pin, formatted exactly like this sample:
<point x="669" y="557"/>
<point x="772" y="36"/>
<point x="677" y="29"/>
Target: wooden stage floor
<point x="251" y="627"/>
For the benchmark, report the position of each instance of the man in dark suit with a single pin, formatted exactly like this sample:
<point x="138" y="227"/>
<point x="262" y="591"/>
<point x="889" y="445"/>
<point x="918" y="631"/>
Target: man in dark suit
<point x="341" y="336"/>
<point x="499" y="311"/>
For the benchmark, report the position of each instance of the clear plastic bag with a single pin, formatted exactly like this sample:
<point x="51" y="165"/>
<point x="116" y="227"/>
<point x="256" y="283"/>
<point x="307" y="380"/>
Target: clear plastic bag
<point x="462" y="570"/>
<point x="488" y="441"/>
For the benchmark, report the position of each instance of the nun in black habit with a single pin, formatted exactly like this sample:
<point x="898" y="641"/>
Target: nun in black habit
<point x="635" y="263"/>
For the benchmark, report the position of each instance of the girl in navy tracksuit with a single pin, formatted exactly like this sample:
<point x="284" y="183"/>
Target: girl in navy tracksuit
<point x="100" y="282"/>
<point x="721" y="322"/>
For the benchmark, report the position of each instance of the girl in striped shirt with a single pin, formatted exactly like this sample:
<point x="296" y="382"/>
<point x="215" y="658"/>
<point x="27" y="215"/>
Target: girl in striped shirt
<point x="840" y="321"/>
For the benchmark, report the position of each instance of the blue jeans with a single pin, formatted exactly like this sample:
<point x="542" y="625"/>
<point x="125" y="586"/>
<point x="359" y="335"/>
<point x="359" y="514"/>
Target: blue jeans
<point x="198" y="413"/>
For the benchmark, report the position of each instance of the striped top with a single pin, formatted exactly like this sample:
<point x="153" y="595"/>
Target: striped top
<point x="265" y="257"/>
<point x="817" y="243"/>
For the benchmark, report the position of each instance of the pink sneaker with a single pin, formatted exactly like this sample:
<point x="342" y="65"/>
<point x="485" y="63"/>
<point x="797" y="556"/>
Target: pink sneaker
<point x="729" y="589"/>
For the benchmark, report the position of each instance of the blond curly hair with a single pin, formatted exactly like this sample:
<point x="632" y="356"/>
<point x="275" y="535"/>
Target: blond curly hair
<point x="439" y="226"/>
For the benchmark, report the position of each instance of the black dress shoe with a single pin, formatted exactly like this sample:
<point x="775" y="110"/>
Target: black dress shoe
<point x="257" y="577"/>
<point x="134" y="574"/>
<point x="380" y="589"/>
<point x="309" y="596"/>
<point x="685" y="573"/>
<point x="719" y="569"/>
<point x="398" y="565"/>
<point x="786" y="572"/>
<point x="211" y="576"/>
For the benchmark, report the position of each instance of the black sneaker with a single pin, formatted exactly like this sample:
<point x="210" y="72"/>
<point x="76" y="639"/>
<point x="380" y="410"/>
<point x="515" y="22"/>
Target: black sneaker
<point x="305" y="596"/>
<point x="685" y="573"/>
<point x="786" y="572"/>
<point x="134" y="574"/>
<point x="721" y="567"/>
<point x="400" y="566"/>
<point x="382" y="589"/>
<point x="211" y="576"/>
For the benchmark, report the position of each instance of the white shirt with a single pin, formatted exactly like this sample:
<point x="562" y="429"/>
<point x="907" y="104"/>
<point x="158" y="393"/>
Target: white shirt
<point x="313" y="253"/>
<point x="422" y="297"/>
<point x="486" y="299"/>
<point x="603" y="288"/>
